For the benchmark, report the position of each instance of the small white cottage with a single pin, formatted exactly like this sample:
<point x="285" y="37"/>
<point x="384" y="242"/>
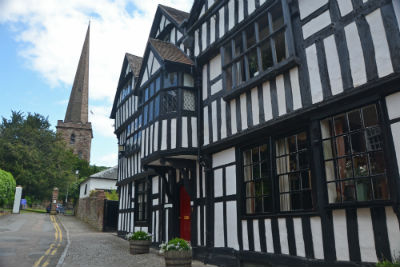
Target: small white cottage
<point x="104" y="180"/>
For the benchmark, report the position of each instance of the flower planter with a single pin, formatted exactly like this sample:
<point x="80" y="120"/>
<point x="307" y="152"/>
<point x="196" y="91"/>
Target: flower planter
<point x="139" y="246"/>
<point x="176" y="258"/>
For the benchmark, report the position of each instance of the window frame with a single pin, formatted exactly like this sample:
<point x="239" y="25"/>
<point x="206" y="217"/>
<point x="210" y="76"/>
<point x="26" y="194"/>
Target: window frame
<point x="289" y="61"/>
<point x="386" y="150"/>
<point x="270" y="141"/>
<point x="146" y="191"/>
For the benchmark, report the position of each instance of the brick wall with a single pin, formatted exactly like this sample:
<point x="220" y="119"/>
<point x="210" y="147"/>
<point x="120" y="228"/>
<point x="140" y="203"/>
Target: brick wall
<point x="91" y="209"/>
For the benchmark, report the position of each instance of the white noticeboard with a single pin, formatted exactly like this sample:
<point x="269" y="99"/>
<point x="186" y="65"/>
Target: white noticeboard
<point x="17" y="199"/>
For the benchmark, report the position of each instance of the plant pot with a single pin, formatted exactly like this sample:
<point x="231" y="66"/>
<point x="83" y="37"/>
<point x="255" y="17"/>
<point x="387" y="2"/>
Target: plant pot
<point x="139" y="246"/>
<point x="177" y="258"/>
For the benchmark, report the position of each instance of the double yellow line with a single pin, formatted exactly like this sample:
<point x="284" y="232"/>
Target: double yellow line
<point x="51" y="251"/>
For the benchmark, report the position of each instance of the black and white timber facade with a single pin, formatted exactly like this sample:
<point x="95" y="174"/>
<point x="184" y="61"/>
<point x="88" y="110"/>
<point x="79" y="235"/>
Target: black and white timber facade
<point x="266" y="132"/>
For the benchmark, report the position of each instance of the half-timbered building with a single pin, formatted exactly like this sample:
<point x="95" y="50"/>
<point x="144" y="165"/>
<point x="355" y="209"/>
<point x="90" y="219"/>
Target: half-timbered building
<point x="266" y="132"/>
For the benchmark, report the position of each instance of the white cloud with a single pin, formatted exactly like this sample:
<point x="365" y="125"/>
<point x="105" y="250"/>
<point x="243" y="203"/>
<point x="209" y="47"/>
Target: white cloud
<point x="108" y="160"/>
<point x="50" y="34"/>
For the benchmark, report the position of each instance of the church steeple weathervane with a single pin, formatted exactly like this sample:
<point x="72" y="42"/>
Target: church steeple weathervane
<point x="76" y="125"/>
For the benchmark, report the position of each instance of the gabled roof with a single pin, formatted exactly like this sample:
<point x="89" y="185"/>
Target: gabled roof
<point x="110" y="173"/>
<point x="169" y="52"/>
<point x="177" y="15"/>
<point x="135" y="63"/>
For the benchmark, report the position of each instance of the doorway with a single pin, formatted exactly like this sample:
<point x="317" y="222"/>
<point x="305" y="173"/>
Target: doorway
<point x="184" y="214"/>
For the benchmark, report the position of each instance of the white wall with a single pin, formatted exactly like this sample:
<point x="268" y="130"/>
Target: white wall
<point x="94" y="183"/>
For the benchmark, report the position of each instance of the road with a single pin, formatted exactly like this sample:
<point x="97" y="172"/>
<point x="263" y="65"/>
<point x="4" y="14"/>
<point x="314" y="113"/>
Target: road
<point x="30" y="239"/>
<point x="41" y="240"/>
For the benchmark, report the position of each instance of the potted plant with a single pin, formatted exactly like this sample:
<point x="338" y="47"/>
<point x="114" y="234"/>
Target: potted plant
<point x="177" y="252"/>
<point x="139" y="242"/>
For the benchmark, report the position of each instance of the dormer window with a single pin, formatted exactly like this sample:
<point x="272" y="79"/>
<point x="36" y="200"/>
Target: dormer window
<point x="259" y="48"/>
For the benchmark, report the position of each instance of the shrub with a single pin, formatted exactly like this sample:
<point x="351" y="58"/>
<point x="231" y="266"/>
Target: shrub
<point x="7" y="188"/>
<point x="113" y="195"/>
<point x="139" y="235"/>
<point x="175" y="244"/>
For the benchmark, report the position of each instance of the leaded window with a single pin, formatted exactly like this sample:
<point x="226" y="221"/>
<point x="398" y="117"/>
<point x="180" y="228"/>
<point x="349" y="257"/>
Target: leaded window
<point x="259" y="47"/>
<point x="293" y="173"/>
<point x="141" y="195"/>
<point x="354" y="159"/>
<point x="169" y="101"/>
<point x="188" y="100"/>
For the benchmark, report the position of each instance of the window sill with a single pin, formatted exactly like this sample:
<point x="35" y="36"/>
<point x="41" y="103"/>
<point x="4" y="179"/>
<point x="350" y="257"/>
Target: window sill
<point x="266" y="75"/>
<point x="280" y="214"/>
<point x="361" y="204"/>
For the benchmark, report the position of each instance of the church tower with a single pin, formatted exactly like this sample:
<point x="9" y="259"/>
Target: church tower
<point x="76" y="130"/>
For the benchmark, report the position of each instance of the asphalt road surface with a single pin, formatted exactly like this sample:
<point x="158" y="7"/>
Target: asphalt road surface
<point x="30" y="239"/>
<point x="41" y="240"/>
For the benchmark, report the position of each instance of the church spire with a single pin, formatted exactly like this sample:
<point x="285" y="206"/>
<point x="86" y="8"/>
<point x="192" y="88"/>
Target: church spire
<point x="77" y="110"/>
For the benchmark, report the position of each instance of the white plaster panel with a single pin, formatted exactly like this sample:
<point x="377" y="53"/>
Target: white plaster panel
<point x="223" y="119"/>
<point x="155" y="202"/>
<point x="188" y="80"/>
<point x="396" y="6"/>
<point x="345" y="7"/>
<point x="221" y="22"/>
<point x="231" y="225"/>
<point x="230" y="173"/>
<point x="245" y="238"/>
<point x="172" y="36"/>
<point x="157" y="225"/>
<point x="196" y="43"/>
<point x="204" y="36"/>
<point x="340" y="232"/>
<point x="392" y="224"/>
<point x="294" y="81"/>
<point x="307" y="7"/>
<point x="392" y="104"/>
<point x="198" y="226"/>
<point x="381" y="47"/>
<point x="268" y="235"/>
<point x="194" y="132"/>
<point x="333" y="64"/>
<point x="184" y="132"/>
<point x="317" y="24"/>
<point x="283" y="236"/>
<point x="243" y="111"/>
<point x="267" y="101"/>
<point x="212" y="29"/>
<point x="395" y="127"/>
<point x="313" y="71"/>
<point x="366" y="235"/>
<point x="156" y="136"/>
<point x="197" y="179"/>
<point x="164" y="135"/>
<point x="218" y="192"/>
<point x="357" y="63"/>
<point x="151" y="129"/>
<point x="298" y="236"/>
<point x="156" y="66"/>
<point x="219" y="225"/>
<point x="256" y="235"/>
<point x="214" y="121"/>
<point x="231" y="17"/>
<point x="216" y="87"/>
<point x="316" y="232"/>
<point x="154" y="187"/>
<point x="204" y="81"/>
<point x="254" y="106"/>
<point x="205" y="126"/>
<point x="215" y="67"/>
<point x="240" y="10"/>
<point x="178" y="35"/>
<point x="223" y="157"/>
<point x="280" y="90"/>
<point x="251" y="6"/>
<point x="233" y="116"/>
<point x="204" y="223"/>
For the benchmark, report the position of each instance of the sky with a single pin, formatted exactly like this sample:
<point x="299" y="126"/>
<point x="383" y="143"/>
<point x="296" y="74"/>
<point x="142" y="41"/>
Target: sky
<point x="40" y="45"/>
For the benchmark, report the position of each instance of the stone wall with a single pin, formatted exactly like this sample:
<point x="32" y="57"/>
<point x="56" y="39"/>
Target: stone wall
<point x="91" y="209"/>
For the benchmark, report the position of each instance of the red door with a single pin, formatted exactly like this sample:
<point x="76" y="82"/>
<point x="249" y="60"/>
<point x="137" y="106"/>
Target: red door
<point x="184" y="218"/>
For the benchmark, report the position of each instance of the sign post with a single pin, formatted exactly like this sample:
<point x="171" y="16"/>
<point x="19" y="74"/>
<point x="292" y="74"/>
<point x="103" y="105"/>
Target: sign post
<point x="17" y="199"/>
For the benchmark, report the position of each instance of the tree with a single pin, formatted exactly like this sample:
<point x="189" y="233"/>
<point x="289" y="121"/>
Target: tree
<point x="32" y="152"/>
<point x="7" y="188"/>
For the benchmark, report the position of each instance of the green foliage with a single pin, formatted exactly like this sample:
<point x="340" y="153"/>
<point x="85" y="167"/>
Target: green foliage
<point x="175" y="244"/>
<point x="7" y="188"/>
<point x="113" y="195"/>
<point x="387" y="263"/>
<point x="139" y="235"/>
<point x="38" y="159"/>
